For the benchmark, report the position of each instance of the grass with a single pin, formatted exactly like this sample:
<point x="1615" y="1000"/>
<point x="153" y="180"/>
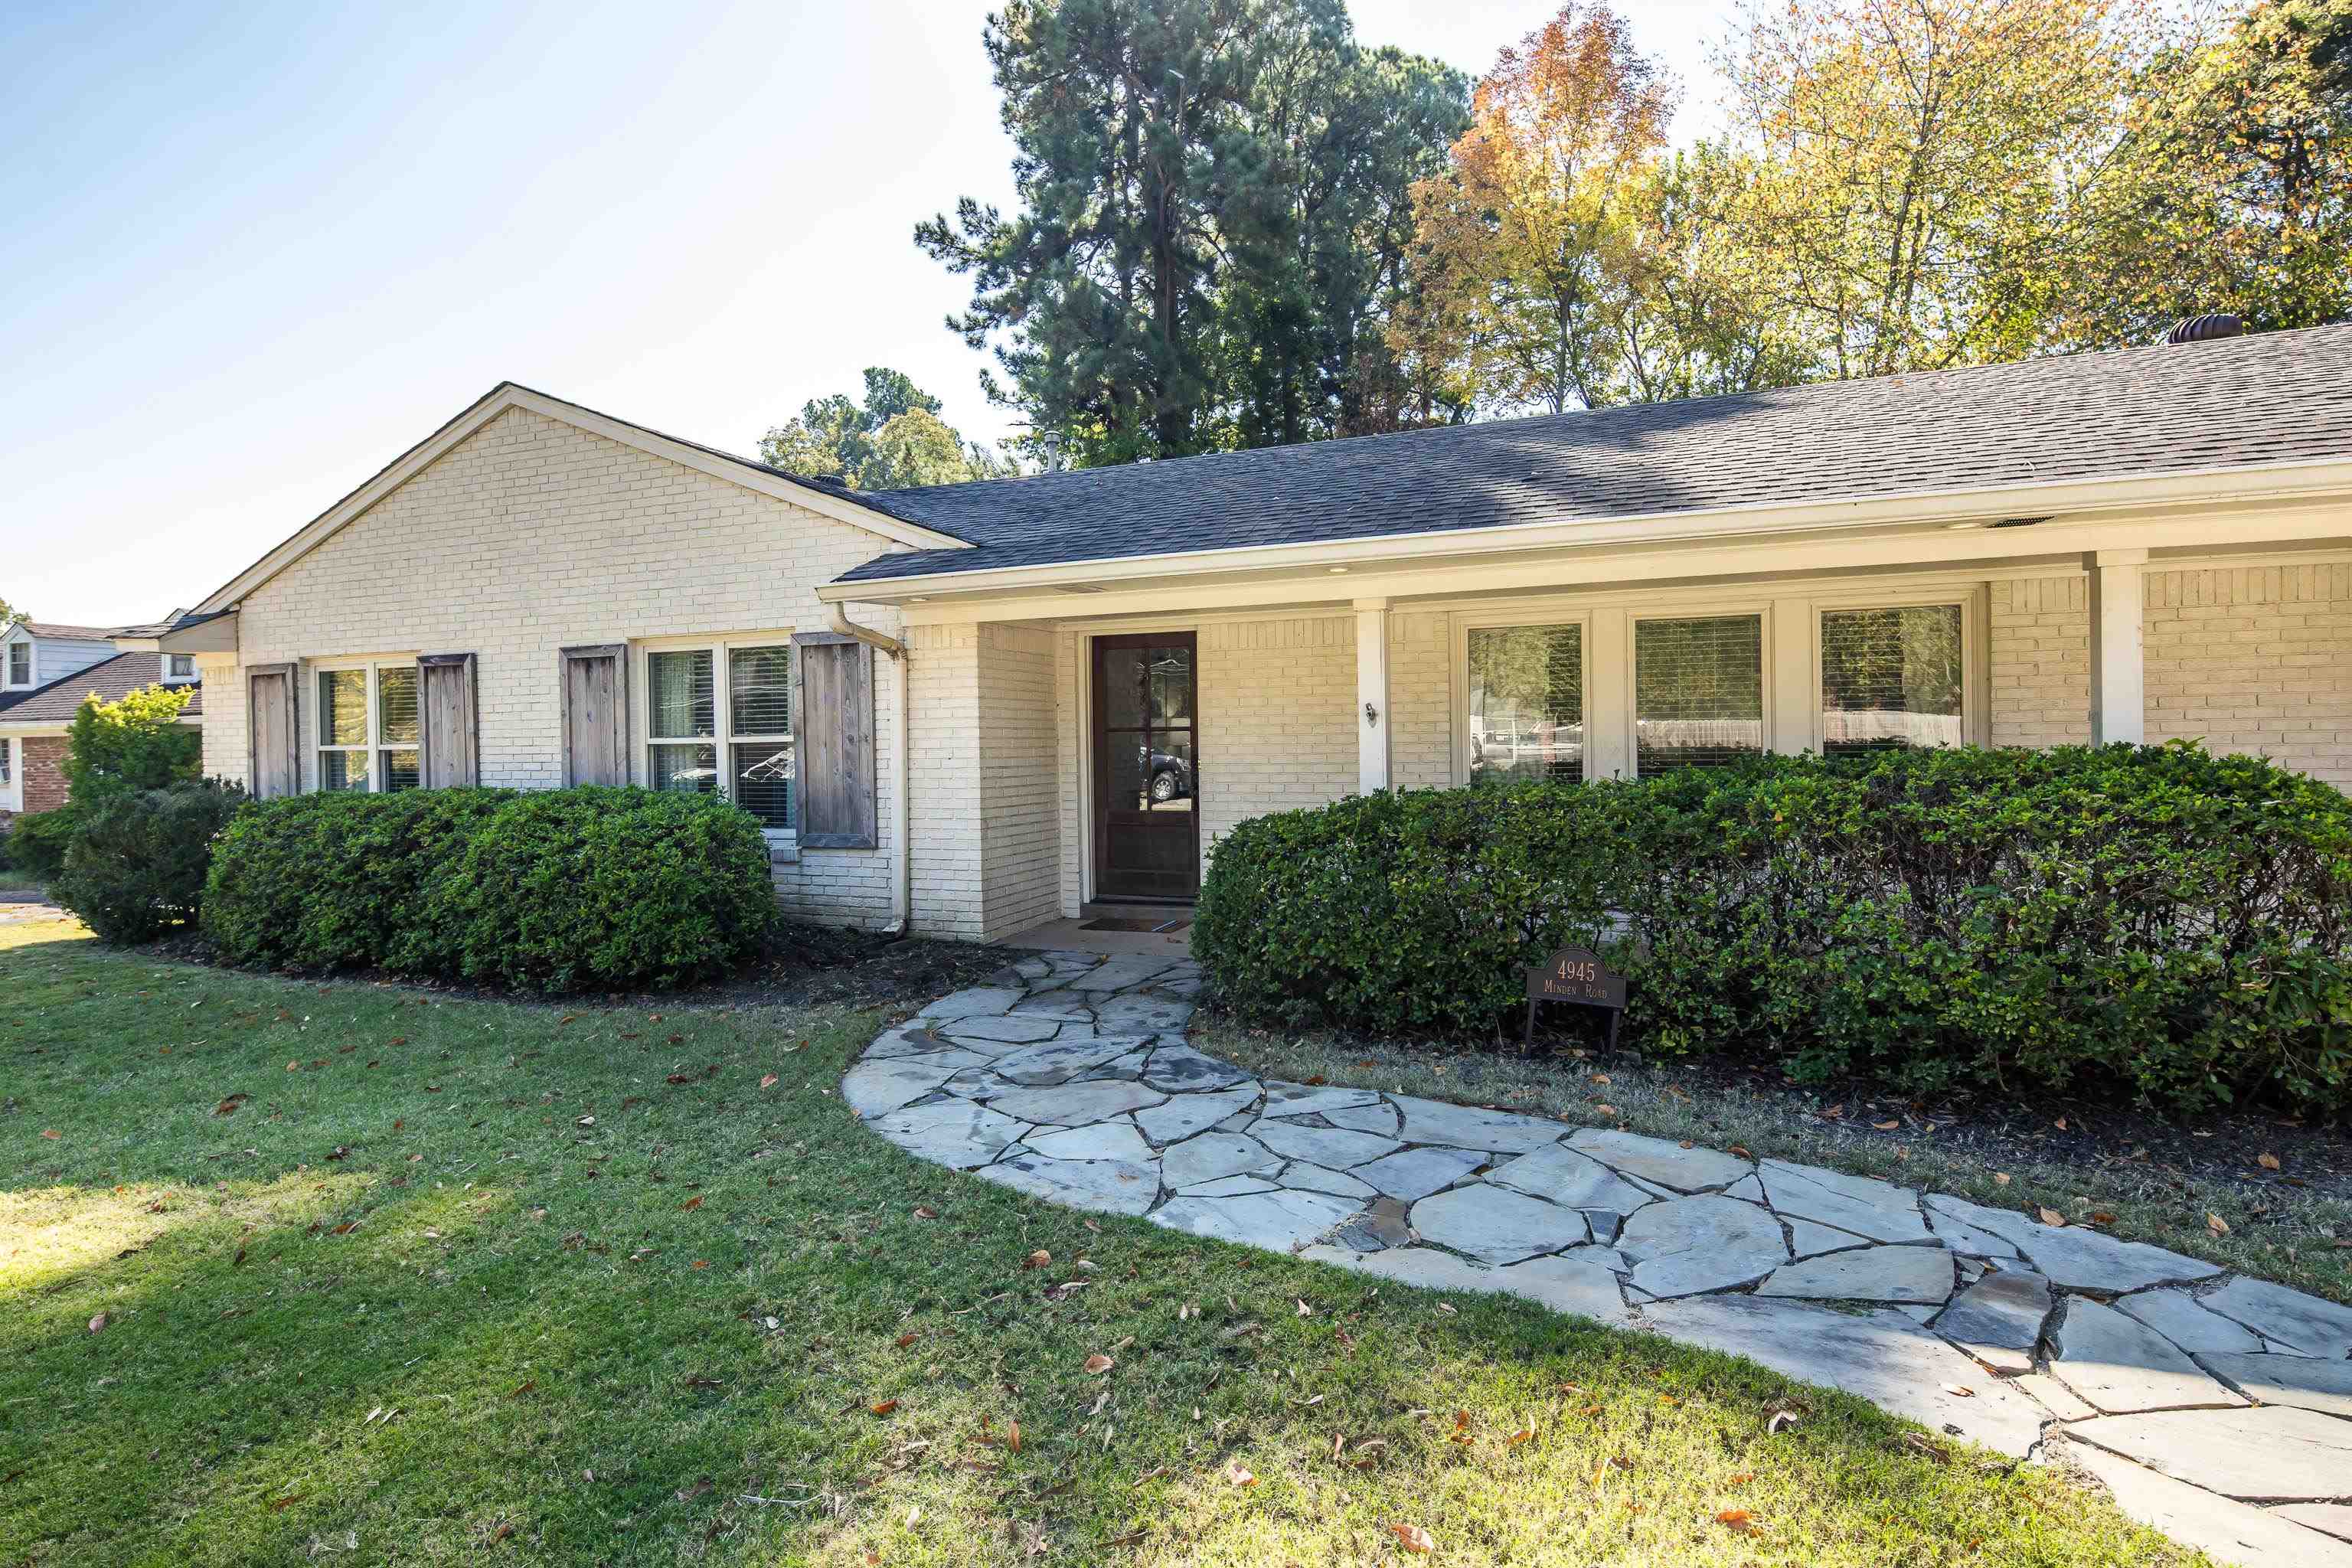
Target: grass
<point x="2299" y="1235"/>
<point x="408" y="1303"/>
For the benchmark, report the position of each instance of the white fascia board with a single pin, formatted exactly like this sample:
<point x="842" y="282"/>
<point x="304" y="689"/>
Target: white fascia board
<point x="2075" y="499"/>
<point x="505" y="396"/>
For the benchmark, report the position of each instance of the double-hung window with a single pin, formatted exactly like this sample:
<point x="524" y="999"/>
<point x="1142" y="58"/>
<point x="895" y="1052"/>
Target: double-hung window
<point x="179" y="667"/>
<point x="20" y="664"/>
<point x="720" y="722"/>
<point x="367" y="727"/>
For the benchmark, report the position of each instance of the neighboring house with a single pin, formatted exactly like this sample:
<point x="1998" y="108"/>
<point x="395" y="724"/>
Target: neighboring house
<point x="34" y="653"/>
<point x="34" y="722"/>
<point x="972" y="709"/>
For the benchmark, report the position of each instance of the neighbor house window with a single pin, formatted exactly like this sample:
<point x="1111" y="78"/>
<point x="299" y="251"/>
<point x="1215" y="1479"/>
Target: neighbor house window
<point x="367" y="727"/>
<point x="1527" y="702"/>
<point x="20" y="664"/>
<point x="7" y="762"/>
<point x="179" y="667"/>
<point x="1699" y="692"/>
<point x="1890" y="679"/>
<point x="720" y="722"/>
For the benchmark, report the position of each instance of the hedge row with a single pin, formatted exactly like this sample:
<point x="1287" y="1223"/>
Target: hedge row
<point x="550" y="890"/>
<point x="2159" y="921"/>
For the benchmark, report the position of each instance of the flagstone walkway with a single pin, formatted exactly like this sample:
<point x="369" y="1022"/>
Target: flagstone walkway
<point x="2218" y="1408"/>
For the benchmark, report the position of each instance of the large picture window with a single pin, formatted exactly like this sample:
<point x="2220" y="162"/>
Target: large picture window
<point x="1527" y="702"/>
<point x="720" y="722"/>
<point x="367" y="727"/>
<point x="1891" y="679"/>
<point x="1699" y="692"/>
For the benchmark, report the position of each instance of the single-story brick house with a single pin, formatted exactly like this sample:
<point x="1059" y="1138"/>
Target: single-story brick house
<point x="973" y="709"/>
<point x="59" y="666"/>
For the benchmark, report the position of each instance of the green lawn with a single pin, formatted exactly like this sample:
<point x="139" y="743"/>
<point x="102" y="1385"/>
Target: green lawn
<point x="408" y="1303"/>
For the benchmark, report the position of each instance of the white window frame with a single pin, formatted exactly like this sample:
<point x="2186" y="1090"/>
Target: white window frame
<point x="32" y="665"/>
<point x="170" y="678"/>
<point x="784" y="840"/>
<point x="1458" y="697"/>
<point x="374" y="746"/>
<point x="11" y="775"/>
<point x="1975" y="605"/>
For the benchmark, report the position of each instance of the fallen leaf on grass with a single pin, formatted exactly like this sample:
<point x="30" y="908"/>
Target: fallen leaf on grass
<point x="883" y="1408"/>
<point x="1737" y="1518"/>
<point x="1742" y="1479"/>
<point x="2267" y="1162"/>
<point x="693" y="1203"/>
<point x="583" y="1121"/>
<point x="51" y="1132"/>
<point x="1524" y="1435"/>
<point x="768" y="1080"/>
<point x="1413" y="1538"/>
<point x="1885" y="1126"/>
<point x="97" y="1324"/>
<point x="924" y="1211"/>
<point x="1012" y="1437"/>
<point x="2050" y="1217"/>
<point x="1239" y="1476"/>
<point x="2000" y="1178"/>
<point x="906" y="1339"/>
<point x="1098" y="1363"/>
<point x="1960" y="1390"/>
<point x="229" y="1105"/>
<point x="2217" y="1225"/>
<point x="280" y="1505"/>
<point x="1038" y="1259"/>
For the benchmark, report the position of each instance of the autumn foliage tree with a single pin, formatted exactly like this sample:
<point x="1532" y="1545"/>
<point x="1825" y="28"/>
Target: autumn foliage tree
<point x="1529" y="239"/>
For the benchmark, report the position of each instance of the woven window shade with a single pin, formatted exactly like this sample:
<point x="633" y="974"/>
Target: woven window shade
<point x="1527" y="702"/>
<point x="1890" y="679"/>
<point x="1699" y="692"/>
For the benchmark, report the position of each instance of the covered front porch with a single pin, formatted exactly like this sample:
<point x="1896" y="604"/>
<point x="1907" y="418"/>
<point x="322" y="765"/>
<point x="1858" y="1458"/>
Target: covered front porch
<point x="1090" y="744"/>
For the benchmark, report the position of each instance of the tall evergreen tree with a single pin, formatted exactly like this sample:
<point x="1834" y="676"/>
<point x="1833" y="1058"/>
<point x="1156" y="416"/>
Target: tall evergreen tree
<point x="1205" y="189"/>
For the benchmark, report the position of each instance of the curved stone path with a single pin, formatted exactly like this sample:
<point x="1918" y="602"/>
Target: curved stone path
<point x="2217" y="1407"/>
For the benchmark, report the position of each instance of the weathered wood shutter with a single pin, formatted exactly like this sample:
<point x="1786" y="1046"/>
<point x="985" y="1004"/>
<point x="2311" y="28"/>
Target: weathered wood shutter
<point x="595" y="714"/>
<point x="447" y="729"/>
<point x="273" y="756"/>
<point x="833" y="729"/>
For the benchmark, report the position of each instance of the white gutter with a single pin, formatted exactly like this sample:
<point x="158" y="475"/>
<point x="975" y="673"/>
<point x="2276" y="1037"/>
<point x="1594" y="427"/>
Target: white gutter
<point x="902" y="884"/>
<point x="2283" y="481"/>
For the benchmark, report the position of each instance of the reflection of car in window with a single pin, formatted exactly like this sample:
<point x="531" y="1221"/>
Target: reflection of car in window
<point x="1172" y="776"/>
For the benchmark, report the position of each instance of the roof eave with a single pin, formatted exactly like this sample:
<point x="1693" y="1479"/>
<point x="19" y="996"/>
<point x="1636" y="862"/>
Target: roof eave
<point x="2264" y="482"/>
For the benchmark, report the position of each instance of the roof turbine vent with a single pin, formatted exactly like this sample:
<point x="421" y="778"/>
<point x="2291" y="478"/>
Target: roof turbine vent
<point x="2206" y="328"/>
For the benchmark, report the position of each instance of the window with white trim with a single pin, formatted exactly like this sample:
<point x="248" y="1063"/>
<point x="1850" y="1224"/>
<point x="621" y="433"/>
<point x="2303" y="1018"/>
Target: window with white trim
<point x="1699" y="692"/>
<point x="1891" y="679"/>
<point x="179" y="668"/>
<point x="719" y="721"/>
<point x="20" y="664"/>
<point x="1526" y="691"/>
<point x="7" y="762"/>
<point x="366" y="726"/>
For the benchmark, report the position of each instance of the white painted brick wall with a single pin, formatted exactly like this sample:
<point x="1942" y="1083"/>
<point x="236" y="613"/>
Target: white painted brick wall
<point x="987" y="819"/>
<point x="533" y="535"/>
<point x="2040" y="661"/>
<point x="1420" y="746"/>
<point x="2253" y="658"/>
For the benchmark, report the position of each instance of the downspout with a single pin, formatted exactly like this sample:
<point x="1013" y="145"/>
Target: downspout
<point x="902" y="884"/>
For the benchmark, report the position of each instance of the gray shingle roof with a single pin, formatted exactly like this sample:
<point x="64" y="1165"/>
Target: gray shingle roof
<point x="69" y="634"/>
<point x="2270" y="399"/>
<point x="110" y="679"/>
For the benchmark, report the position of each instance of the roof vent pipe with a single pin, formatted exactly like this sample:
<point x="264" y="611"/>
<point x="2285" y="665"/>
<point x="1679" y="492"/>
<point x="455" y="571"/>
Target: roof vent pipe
<point x="2206" y="328"/>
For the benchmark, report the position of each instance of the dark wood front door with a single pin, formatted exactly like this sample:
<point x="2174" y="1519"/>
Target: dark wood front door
<point x="1147" y="767"/>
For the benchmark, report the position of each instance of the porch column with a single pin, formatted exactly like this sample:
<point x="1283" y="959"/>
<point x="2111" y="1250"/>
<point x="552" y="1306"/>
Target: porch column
<point x="2118" y="663"/>
<point x="1371" y="695"/>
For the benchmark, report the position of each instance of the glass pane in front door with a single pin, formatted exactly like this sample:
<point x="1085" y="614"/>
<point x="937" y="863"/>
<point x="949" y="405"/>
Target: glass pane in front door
<point x="1147" y="767"/>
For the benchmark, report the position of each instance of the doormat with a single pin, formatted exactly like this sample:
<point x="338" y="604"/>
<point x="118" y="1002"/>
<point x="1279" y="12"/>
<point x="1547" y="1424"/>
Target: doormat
<point x="1124" y="923"/>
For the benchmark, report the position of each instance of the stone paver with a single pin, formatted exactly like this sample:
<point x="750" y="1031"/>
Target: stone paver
<point x="1497" y="1225"/>
<point x="2305" y="1381"/>
<point x="1999" y="1318"/>
<point x="1872" y="1274"/>
<point x="2120" y="1365"/>
<point x="1656" y="1160"/>
<point x="2269" y="1454"/>
<point x="1067" y="1078"/>
<point x="1687" y="1245"/>
<point x="2302" y="1322"/>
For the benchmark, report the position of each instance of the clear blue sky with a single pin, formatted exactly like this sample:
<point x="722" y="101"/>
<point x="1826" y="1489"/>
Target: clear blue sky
<point x="250" y="254"/>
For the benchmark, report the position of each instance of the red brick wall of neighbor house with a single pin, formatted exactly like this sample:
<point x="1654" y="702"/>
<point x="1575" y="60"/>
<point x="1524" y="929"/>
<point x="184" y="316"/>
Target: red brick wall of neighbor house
<point x="43" y="758"/>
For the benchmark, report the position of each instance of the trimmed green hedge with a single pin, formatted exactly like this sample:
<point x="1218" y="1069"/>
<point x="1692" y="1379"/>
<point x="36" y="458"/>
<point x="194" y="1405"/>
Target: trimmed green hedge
<point x="2155" y="919"/>
<point x="550" y="890"/>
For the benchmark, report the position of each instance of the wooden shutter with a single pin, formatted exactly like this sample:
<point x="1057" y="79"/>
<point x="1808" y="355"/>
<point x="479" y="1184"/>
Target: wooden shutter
<point x="595" y="714"/>
<point x="833" y="798"/>
<point x="449" y="734"/>
<point x="273" y="756"/>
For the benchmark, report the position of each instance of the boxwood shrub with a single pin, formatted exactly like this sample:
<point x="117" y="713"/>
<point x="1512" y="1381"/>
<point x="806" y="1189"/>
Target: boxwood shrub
<point x="2154" y="920"/>
<point x="135" y="860"/>
<point x="550" y="890"/>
